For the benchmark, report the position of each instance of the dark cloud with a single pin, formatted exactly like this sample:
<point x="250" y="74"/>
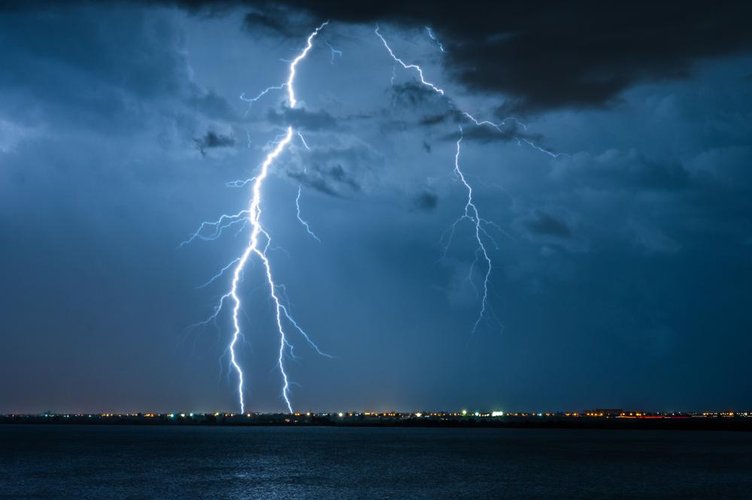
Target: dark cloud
<point x="303" y="119"/>
<point x="414" y="95"/>
<point x="545" y="224"/>
<point x="213" y="140"/>
<point x="425" y="201"/>
<point x="542" y="55"/>
<point x="506" y="132"/>
<point x="338" y="174"/>
<point x="340" y="170"/>
<point x="330" y="179"/>
<point x="548" y="54"/>
<point x="255" y="21"/>
<point x="437" y="119"/>
<point x="411" y="98"/>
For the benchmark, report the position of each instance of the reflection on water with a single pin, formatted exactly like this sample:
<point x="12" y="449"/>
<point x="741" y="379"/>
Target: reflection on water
<point x="97" y="461"/>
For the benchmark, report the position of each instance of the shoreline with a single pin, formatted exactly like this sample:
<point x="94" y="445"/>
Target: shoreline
<point x="689" y="423"/>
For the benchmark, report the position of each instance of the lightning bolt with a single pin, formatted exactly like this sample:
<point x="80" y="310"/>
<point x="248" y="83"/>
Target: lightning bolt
<point x="303" y="141"/>
<point x="471" y="213"/>
<point x="498" y="126"/>
<point x="429" y="31"/>
<point x="404" y="65"/>
<point x="217" y="227"/>
<point x="334" y="53"/>
<point x="471" y="210"/>
<point x="252" y="100"/>
<point x="301" y="219"/>
<point x="259" y="242"/>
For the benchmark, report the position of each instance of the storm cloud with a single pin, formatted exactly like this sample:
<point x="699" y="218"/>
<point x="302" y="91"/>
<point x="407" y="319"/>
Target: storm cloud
<point x="547" y="55"/>
<point x="619" y="266"/>
<point x="212" y="140"/>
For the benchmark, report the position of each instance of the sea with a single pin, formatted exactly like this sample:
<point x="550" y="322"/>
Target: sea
<point x="89" y="461"/>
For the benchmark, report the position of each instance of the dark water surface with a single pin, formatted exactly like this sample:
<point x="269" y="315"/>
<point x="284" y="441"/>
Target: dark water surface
<point x="296" y="462"/>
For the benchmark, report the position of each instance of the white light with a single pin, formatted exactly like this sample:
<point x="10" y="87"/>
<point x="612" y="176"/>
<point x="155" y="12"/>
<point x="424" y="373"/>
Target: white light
<point x="257" y="245"/>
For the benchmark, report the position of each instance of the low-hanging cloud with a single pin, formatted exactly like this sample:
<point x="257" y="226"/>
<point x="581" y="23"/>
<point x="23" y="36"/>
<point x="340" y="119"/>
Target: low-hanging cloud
<point x="213" y="140"/>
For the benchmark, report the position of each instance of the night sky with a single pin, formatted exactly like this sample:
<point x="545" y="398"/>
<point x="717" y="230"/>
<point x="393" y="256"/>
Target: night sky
<point x="622" y="266"/>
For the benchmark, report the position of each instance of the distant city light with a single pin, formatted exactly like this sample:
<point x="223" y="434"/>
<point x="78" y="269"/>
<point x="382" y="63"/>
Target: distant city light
<point x="497" y="413"/>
